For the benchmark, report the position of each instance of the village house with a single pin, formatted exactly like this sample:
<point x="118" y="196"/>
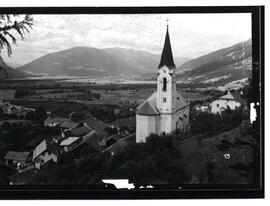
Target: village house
<point x="44" y="153"/>
<point x="70" y="144"/>
<point x="14" y="109"/>
<point x="13" y="158"/>
<point x="76" y="137"/>
<point x="55" y="121"/>
<point x="96" y="125"/>
<point x="229" y="100"/>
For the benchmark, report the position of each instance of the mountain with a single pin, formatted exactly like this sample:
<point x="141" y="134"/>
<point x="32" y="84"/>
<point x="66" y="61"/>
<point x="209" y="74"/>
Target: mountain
<point x="224" y="65"/>
<point x="93" y="62"/>
<point x="12" y="73"/>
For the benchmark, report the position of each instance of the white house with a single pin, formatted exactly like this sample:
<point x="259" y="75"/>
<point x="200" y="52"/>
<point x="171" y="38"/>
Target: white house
<point x="44" y="153"/>
<point x="226" y="101"/>
<point x="165" y="110"/>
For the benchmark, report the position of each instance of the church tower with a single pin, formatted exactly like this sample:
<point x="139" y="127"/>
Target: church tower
<point x="165" y="110"/>
<point x="166" y="85"/>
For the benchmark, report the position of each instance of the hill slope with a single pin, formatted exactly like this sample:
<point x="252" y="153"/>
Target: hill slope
<point x="12" y="73"/>
<point x="228" y="64"/>
<point x="92" y="62"/>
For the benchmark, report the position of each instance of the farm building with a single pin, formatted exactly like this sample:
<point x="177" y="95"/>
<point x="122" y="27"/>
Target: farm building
<point x="229" y="100"/>
<point x="54" y="122"/>
<point x="44" y="153"/>
<point x="13" y="157"/>
<point x="70" y="143"/>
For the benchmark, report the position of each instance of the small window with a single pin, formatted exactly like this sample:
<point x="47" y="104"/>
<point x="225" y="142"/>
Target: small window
<point x="164" y="87"/>
<point x="217" y="105"/>
<point x="164" y="99"/>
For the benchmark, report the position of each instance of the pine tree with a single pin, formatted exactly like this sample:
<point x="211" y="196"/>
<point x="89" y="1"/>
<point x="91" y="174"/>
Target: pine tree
<point x="12" y="25"/>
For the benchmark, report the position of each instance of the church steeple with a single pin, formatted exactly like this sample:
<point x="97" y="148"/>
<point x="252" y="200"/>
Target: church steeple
<point x="167" y="56"/>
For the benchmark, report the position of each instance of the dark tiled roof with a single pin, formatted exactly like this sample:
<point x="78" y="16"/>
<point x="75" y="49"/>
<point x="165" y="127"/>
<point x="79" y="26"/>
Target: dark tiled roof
<point x="167" y="56"/>
<point x="147" y="109"/>
<point x="97" y="125"/>
<point x="19" y="156"/>
<point x="129" y="121"/>
<point x="78" y="132"/>
<point x="69" y="125"/>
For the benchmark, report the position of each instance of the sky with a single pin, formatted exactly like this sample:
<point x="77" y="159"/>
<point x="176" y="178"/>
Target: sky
<point x="192" y="35"/>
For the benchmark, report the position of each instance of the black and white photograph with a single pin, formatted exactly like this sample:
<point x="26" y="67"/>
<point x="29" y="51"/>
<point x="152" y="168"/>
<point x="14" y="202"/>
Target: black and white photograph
<point x="126" y="103"/>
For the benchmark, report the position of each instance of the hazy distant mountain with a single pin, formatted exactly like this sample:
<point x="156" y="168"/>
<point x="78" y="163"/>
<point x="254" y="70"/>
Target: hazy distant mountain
<point x="228" y="64"/>
<point x="13" y="73"/>
<point x="92" y="62"/>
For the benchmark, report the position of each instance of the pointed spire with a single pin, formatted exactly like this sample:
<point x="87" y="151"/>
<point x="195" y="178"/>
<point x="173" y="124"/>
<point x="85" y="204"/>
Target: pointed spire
<point x="167" y="56"/>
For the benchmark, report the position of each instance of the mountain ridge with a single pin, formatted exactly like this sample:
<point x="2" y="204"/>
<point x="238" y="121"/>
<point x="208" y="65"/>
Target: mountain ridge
<point x="90" y="61"/>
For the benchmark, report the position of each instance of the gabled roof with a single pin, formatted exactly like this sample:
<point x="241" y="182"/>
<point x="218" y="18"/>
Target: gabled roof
<point x="57" y="120"/>
<point x="227" y="96"/>
<point x="69" y="125"/>
<point x="79" y="131"/>
<point x="19" y="156"/>
<point x="231" y="96"/>
<point x="167" y="56"/>
<point x="97" y="125"/>
<point x="149" y="106"/>
<point x="44" y="146"/>
<point x="147" y="109"/>
<point x="69" y="141"/>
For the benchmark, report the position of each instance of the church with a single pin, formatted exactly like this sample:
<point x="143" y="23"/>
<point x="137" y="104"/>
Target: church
<point x="165" y="110"/>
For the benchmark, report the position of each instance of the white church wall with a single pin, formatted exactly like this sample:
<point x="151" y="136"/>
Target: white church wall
<point x="146" y="125"/>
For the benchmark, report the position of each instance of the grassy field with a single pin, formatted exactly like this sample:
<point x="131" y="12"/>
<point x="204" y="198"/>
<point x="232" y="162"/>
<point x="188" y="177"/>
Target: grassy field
<point x="198" y="152"/>
<point x="7" y="93"/>
<point x="140" y="95"/>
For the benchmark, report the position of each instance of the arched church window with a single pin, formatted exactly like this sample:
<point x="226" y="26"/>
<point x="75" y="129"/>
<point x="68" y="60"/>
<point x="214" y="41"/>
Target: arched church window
<point x="164" y="83"/>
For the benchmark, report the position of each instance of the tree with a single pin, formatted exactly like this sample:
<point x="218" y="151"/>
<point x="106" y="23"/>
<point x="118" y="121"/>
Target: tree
<point x="1" y="113"/>
<point x="5" y="125"/>
<point x="40" y="114"/>
<point x="30" y="116"/>
<point x="11" y="25"/>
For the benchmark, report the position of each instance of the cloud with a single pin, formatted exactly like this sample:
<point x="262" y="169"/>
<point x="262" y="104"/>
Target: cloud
<point x="192" y="35"/>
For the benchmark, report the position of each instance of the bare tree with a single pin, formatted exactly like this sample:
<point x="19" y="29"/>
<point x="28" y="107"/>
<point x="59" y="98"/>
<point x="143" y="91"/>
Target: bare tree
<point x="12" y="25"/>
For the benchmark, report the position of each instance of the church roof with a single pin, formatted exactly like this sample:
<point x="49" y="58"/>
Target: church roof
<point x="149" y="106"/>
<point x="167" y="56"/>
<point x="147" y="109"/>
